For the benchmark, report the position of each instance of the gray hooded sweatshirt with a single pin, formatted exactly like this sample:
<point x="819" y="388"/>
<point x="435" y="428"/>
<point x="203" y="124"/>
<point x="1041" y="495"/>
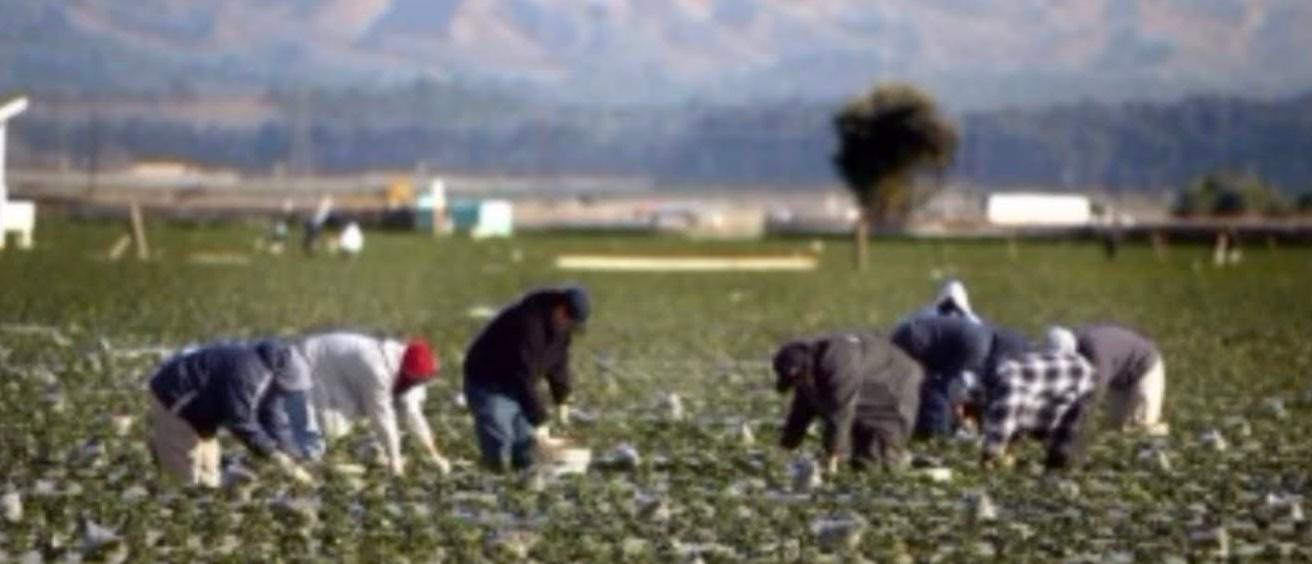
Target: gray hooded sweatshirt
<point x="1120" y="357"/>
<point x="864" y="389"/>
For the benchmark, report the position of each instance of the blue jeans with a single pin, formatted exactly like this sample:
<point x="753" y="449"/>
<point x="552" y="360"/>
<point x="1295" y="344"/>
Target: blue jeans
<point x="935" y="417"/>
<point x="304" y="428"/>
<point x="504" y="435"/>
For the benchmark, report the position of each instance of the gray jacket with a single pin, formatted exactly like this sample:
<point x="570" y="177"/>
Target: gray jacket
<point x="1119" y="355"/>
<point x="853" y="379"/>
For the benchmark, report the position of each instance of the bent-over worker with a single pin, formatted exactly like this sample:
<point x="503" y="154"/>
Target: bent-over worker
<point x="1130" y="372"/>
<point x="361" y="376"/>
<point x="239" y="387"/>
<point x="526" y="343"/>
<point x="863" y="388"/>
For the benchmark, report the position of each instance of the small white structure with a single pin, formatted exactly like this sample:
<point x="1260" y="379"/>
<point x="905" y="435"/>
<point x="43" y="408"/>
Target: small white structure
<point x="483" y="219"/>
<point x="15" y="215"/>
<point x="351" y="241"/>
<point x="1018" y="209"/>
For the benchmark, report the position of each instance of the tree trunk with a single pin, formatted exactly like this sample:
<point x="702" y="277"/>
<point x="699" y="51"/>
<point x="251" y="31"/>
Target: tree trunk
<point x="862" y="234"/>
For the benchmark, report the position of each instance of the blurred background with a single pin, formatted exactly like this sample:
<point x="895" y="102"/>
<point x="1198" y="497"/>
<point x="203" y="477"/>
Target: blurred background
<point x="715" y="116"/>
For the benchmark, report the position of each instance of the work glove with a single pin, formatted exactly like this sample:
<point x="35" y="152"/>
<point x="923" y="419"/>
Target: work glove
<point x="562" y="414"/>
<point x="292" y="469"/>
<point x="831" y="465"/>
<point x="441" y="463"/>
<point x="544" y="439"/>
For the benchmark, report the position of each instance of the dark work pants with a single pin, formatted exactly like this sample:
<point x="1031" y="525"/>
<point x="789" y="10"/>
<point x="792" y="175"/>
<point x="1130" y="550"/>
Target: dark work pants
<point x="934" y="418"/>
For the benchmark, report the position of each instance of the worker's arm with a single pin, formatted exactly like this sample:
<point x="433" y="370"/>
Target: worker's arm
<point x="559" y="379"/>
<point x="1000" y="419"/>
<point x="412" y="403"/>
<point x="799" y="418"/>
<point x="277" y="423"/>
<point x="532" y="400"/>
<point x="242" y="395"/>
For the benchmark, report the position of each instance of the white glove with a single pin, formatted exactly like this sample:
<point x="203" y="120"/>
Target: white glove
<point x="442" y="464"/>
<point x="562" y="414"/>
<point x="292" y="469"/>
<point x="544" y="438"/>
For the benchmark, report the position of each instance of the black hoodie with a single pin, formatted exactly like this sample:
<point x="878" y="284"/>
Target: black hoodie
<point x="520" y="348"/>
<point x="850" y="380"/>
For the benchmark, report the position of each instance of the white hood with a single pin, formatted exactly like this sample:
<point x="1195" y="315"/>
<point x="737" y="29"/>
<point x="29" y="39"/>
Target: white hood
<point x="1060" y="339"/>
<point x="955" y="292"/>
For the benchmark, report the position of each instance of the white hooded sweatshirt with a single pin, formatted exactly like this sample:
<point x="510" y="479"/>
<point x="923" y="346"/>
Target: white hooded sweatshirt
<point x="952" y="293"/>
<point x="354" y="375"/>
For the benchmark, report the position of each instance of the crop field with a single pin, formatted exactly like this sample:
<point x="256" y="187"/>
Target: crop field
<point x="79" y="336"/>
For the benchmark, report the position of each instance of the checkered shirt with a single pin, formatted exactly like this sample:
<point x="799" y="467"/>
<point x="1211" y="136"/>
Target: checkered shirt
<point x="1034" y="394"/>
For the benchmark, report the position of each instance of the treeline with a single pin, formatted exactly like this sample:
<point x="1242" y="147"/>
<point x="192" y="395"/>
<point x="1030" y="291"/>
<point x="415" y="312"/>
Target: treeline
<point x="1135" y="146"/>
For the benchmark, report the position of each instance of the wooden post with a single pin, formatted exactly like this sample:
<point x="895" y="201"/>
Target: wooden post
<point x="139" y="232"/>
<point x="1159" y="244"/>
<point x="862" y="240"/>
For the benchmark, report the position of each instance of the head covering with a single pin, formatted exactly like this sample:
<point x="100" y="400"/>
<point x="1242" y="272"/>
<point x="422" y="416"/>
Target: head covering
<point x="577" y="304"/>
<point x="1060" y="339"/>
<point x="289" y="372"/>
<point x="419" y="364"/>
<point x="791" y="362"/>
<point x="952" y="299"/>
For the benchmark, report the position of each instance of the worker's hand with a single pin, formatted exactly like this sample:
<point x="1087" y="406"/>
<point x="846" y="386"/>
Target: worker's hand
<point x="562" y="414"/>
<point x="544" y="439"/>
<point x="292" y="469"/>
<point x="440" y="462"/>
<point x="831" y="464"/>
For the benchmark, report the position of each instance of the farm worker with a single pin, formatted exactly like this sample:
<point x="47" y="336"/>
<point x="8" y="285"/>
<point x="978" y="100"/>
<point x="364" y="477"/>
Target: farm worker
<point x="947" y="348"/>
<point x="1042" y="394"/>
<point x="240" y="387"/>
<point x="358" y="376"/>
<point x="526" y="343"/>
<point x="1129" y="368"/>
<point x="864" y="389"/>
<point x="315" y="225"/>
<point x="952" y="301"/>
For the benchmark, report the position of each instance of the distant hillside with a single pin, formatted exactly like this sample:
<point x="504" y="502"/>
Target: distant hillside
<point x="975" y="53"/>
<point x="1137" y="146"/>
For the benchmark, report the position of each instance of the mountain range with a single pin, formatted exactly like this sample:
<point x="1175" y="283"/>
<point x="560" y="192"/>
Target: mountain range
<point x="971" y="53"/>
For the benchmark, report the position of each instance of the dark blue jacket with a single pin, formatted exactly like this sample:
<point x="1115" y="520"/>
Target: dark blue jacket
<point x="518" y="350"/>
<point x="230" y="386"/>
<point x="945" y="346"/>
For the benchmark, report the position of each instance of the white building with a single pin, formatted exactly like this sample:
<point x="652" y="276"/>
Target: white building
<point x="15" y="216"/>
<point x="1021" y="209"/>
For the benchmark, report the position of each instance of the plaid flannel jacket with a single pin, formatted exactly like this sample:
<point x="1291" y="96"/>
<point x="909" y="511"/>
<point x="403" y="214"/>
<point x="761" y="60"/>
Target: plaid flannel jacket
<point x="1034" y="394"/>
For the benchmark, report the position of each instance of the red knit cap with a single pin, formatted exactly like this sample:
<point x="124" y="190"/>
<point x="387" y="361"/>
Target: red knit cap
<point x="419" y="364"/>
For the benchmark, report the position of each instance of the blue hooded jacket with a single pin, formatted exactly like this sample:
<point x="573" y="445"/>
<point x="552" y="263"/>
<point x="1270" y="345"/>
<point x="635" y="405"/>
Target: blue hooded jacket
<point x="239" y="387"/>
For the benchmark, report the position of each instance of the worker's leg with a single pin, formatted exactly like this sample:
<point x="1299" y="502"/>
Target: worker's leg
<point x="175" y="444"/>
<point x="523" y="452"/>
<point x="865" y="446"/>
<point x="494" y="426"/>
<point x="934" y="418"/>
<point x="304" y="426"/>
<point x="1149" y="393"/>
<point x="209" y="470"/>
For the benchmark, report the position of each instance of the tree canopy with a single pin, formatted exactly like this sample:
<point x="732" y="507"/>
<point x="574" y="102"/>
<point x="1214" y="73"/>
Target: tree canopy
<point x="885" y="138"/>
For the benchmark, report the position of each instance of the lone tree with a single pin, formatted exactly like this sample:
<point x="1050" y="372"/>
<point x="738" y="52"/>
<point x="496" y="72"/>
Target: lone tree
<point x="885" y="139"/>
